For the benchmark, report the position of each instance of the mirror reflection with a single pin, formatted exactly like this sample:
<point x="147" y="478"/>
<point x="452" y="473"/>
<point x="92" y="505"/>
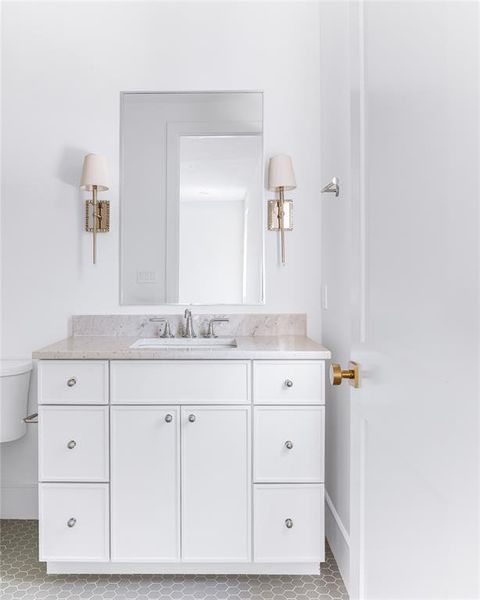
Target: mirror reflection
<point x="192" y="198"/>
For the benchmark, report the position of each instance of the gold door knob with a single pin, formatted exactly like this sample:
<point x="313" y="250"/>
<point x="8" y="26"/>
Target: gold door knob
<point x="337" y="374"/>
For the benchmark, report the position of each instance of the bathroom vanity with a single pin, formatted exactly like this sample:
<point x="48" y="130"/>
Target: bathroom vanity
<point x="197" y="460"/>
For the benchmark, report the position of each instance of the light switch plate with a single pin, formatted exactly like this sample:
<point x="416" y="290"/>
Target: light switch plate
<point x="325" y="296"/>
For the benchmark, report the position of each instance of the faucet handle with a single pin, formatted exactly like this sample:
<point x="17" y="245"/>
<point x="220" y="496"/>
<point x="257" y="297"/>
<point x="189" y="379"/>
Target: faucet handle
<point x="167" y="326"/>
<point x="211" y="324"/>
<point x="157" y="320"/>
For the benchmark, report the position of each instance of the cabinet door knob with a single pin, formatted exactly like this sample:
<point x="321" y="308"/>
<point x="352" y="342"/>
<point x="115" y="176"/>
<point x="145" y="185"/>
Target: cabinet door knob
<point x="192" y="418"/>
<point x="288" y="444"/>
<point x="168" y="418"/>
<point x="289" y="383"/>
<point x="71" y="522"/>
<point x="71" y="382"/>
<point x="71" y="444"/>
<point x="288" y="523"/>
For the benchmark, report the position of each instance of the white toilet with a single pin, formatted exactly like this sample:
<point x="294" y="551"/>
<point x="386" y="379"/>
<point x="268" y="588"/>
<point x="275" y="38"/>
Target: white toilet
<point x="14" y="384"/>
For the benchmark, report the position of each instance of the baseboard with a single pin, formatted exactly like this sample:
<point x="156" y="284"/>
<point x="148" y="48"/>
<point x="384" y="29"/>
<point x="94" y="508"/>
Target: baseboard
<point x="56" y="568"/>
<point x="19" y="501"/>
<point x="338" y="539"/>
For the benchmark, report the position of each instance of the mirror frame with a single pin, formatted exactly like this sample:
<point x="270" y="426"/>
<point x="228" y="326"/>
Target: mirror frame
<point x="123" y="94"/>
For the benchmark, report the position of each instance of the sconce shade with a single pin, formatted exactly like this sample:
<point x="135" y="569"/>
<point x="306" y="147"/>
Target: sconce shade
<point x="280" y="173"/>
<point x="94" y="173"/>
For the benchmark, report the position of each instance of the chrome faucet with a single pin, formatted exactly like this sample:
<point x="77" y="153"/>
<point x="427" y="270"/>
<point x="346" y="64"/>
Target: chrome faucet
<point x="189" y="332"/>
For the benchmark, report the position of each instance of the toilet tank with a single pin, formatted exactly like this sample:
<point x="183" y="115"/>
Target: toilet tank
<point x="14" y="385"/>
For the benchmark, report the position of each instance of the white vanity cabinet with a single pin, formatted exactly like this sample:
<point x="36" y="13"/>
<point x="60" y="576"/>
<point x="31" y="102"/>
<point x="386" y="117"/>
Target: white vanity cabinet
<point x="181" y="466"/>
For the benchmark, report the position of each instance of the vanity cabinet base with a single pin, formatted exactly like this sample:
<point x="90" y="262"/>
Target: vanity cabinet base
<point x="147" y="467"/>
<point x="131" y="568"/>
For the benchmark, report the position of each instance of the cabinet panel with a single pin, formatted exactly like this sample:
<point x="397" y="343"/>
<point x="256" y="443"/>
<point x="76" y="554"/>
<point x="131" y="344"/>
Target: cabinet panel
<point x="168" y="382"/>
<point x="145" y="483"/>
<point x="289" y="523"/>
<point x="216" y="482"/>
<point x="73" y="382"/>
<point x="73" y="443"/>
<point x="288" y="444"/>
<point x="73" y="521"/>
<point x="288" y="382"/>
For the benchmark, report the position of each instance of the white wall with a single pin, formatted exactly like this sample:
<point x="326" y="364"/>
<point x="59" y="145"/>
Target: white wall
<point x="337" y="139"/>
<point x="64" y="65"/>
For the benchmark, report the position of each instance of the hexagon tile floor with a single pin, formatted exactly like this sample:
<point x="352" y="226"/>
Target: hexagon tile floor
<point x="24" y="578"/>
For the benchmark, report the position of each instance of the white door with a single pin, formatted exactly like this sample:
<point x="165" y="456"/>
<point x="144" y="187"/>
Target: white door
<point x="400" y="129"/>
<point x="216" y="483"/>
<point x="145" y="480"/>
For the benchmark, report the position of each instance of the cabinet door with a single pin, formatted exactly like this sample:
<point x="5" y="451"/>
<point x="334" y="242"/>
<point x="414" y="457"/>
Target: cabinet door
<point x="289" y="523"/>
<point x="216" y="483"/>
<point x="289" y="382"/>
<point x="145" y="495"/>
<point x="73" y="443"/>
<point x="73" y="522"/>
<point x="288" y="444"/>
<point x="73" y="382"/>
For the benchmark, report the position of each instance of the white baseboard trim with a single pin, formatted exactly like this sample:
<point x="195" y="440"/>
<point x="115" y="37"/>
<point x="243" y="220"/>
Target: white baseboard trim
<point x="338" y="539"/>
<point x="19" y="501"/>
<point x="56" y="568"/>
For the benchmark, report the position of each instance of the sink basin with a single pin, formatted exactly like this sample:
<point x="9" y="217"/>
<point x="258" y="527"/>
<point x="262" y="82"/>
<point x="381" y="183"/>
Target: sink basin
<point x="185" y="343"/>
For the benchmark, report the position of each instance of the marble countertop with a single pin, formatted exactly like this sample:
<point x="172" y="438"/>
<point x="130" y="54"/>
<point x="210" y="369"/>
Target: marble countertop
<point x="248" y="347"/>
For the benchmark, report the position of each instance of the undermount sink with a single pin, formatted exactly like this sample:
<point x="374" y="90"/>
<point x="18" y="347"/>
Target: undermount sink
<point x="200" y="343"/>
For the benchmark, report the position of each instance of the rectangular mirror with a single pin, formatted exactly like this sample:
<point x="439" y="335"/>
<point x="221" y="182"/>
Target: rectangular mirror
<point x="192" y="209"/>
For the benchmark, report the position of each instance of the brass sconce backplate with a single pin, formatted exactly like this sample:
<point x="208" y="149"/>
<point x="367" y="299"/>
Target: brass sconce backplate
<point x="103" y="216"/>
<point x="273" y="215"/>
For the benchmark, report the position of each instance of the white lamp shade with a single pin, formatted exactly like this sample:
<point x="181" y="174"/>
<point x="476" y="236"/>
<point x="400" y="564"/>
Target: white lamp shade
<point x="94" y="173"/>
<point x="280" y="173"/>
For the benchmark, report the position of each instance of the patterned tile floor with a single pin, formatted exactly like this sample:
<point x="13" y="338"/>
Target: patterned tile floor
<point x="24" y="578"/>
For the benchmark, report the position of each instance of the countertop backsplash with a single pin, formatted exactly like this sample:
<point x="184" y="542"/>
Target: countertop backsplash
<point x="142" y="326"/>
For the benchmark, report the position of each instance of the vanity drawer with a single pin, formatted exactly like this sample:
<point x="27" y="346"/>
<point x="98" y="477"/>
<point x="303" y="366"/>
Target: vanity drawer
<point x="73" y="443"/>
<point x="73" y="382"/>
<point x="180" y="381"/>
<point x="288" y="382"/>
<point x="289" y="523"/>
<point x="74" y="521"/>
<point x="289" y="444"/>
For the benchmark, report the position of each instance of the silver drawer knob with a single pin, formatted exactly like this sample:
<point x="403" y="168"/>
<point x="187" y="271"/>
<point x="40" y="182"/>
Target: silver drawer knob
<point x="289" y="383"/>
<point x="288" y="444"/>
<point x="289" y="523"/>
<point x="71" y="522"/>
<point x="71" y="382"/>
<point x="168" y="418"/>
<point x="192" y="418"/>
<point x="71" y="444"/>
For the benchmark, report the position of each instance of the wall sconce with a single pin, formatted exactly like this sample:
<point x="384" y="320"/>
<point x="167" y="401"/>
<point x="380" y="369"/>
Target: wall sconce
<point x="281" y="178"/>
<point x="97" y="212"/>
